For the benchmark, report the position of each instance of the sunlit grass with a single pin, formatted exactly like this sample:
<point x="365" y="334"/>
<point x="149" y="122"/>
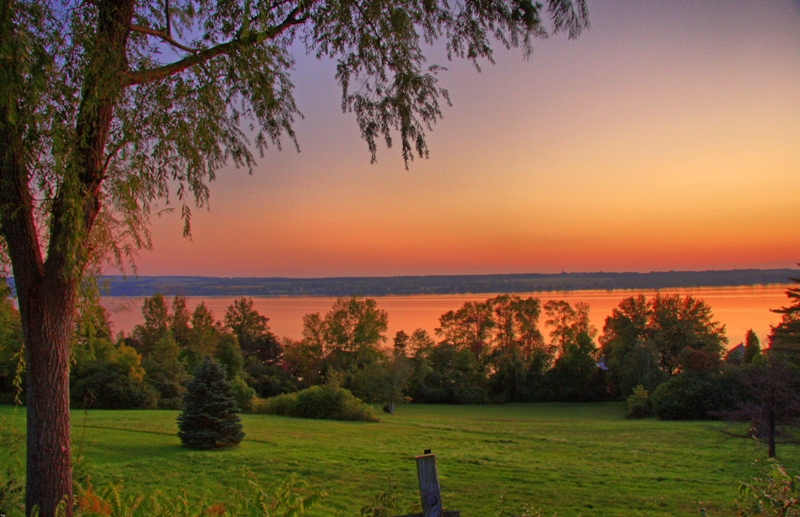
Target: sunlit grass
<point x="570" y="459"/>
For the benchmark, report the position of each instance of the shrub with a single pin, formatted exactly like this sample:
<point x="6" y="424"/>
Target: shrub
<point x="209" y="419"/>
<point x="279" y="405"/>
<point x="326" y="402"/>
<point x="639" y="403"/>
<point x="108" y="386"/>
<point x="243" y="393"/>
<point x="694" y="396"/>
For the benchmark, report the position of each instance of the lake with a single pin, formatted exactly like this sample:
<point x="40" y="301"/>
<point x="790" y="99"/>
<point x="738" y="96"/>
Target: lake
<point x="739" y="308"/>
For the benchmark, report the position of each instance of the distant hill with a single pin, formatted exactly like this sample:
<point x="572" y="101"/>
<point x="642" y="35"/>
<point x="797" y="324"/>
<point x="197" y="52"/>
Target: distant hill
<point x="443" y="284"/>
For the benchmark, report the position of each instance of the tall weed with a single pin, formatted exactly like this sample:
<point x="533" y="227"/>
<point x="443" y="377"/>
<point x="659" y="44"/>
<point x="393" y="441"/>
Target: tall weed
<point x="774" y="494"/>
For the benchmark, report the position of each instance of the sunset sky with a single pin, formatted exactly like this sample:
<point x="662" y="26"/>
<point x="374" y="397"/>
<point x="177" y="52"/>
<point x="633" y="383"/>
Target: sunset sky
<point x="665" y="137"/>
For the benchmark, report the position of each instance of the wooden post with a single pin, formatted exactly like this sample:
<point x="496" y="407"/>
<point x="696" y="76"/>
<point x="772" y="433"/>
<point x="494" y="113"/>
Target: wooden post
<point x="429" y="492"/>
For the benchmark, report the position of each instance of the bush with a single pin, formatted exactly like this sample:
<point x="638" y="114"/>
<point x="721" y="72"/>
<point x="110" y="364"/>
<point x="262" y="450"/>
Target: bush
<point x="639" y="403"/>
<point x="694" y="396"/>
<point x="108" y="386"/>
<point x="326" y="402"/>
<point x="243" y="393"/>
<point x="209" y="418"/>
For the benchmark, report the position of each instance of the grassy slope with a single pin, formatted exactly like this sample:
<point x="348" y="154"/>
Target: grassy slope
<point x="570" y="459"/>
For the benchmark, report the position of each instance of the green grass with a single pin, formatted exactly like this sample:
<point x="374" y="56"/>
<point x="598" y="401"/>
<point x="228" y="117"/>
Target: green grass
<point x="573" y="459"/>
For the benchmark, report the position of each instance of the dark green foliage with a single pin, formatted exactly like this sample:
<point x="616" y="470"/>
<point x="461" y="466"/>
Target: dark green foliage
<point x="752" y="347"/>
<point x="243" y="393"/>
<point x="647" y="341"/>
<point x="509" y="382"/>
<point x="769" y="402"/>
<point x="367" y="382"/>
<point x="695" y="396"/>
<point x="155" y="325"/>
<point x="268" y="380"/>
<point x="353" y="324"/>
<point x="179" y="321"/>
<point x="202" y="339"/>
<point x="105" y="385"/>
<point x="639" y="403"/>
<point x="575" y="376"/>
<point x="229" y="355"/>
<point x="446" y="375"/>
<point x="209" y="419"/>
<point x="252" y="331"/>
<point x="785" y="337"/>
<point x="325" y="402"/>
<point x="640" y="366"/>
<point x="165" y="372"/>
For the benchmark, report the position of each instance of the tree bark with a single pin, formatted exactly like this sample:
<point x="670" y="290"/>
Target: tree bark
<point x="46" y="311"/>
<point x="47" y="288"/>
<point x="48" y="318"/>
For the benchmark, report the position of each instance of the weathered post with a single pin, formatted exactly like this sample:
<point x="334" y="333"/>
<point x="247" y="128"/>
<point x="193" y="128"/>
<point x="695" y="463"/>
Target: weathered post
<point x="429" y="492"/>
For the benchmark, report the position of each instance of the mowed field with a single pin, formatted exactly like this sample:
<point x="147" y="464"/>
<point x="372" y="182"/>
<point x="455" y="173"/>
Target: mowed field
<point x="569" y="459"/>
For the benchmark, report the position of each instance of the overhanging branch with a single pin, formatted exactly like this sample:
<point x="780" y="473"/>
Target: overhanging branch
<point x="201" y="56"/>
<point x="163" y="36"/>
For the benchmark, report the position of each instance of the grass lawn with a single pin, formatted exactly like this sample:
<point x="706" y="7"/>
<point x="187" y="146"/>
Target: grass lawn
<point x="569" y="459"/>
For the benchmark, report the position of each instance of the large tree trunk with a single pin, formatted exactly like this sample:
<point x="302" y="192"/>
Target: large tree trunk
<point x="48" y="317"/>
<point x="46" y="310"/>
<point x="47" y="288"/>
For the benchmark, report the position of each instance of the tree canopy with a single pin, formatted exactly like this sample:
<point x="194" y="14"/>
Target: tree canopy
<point x="111" y="106"/>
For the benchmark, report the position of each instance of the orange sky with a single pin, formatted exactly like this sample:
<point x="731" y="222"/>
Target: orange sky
<point x="666" y="137"/>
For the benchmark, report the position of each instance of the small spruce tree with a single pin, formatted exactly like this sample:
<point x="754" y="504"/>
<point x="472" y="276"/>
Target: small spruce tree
<point x="209" y="419"/>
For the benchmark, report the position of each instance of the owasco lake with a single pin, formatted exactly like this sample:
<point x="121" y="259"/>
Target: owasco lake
<point x="740" y="308"/>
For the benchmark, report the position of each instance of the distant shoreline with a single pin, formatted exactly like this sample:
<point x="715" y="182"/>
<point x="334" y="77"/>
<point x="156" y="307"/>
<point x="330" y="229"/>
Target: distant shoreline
<point x="119" y="286"/>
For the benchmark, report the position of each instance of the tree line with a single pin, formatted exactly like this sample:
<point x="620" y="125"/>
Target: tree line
<point x="666" y="355"/>
<point x="438" y="284"/>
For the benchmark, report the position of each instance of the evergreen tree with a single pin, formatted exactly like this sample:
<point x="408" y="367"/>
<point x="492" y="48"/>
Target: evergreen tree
<point x="785" y="337"/>
<point x="752" y="347"/>
<point x="209" y="419"/>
